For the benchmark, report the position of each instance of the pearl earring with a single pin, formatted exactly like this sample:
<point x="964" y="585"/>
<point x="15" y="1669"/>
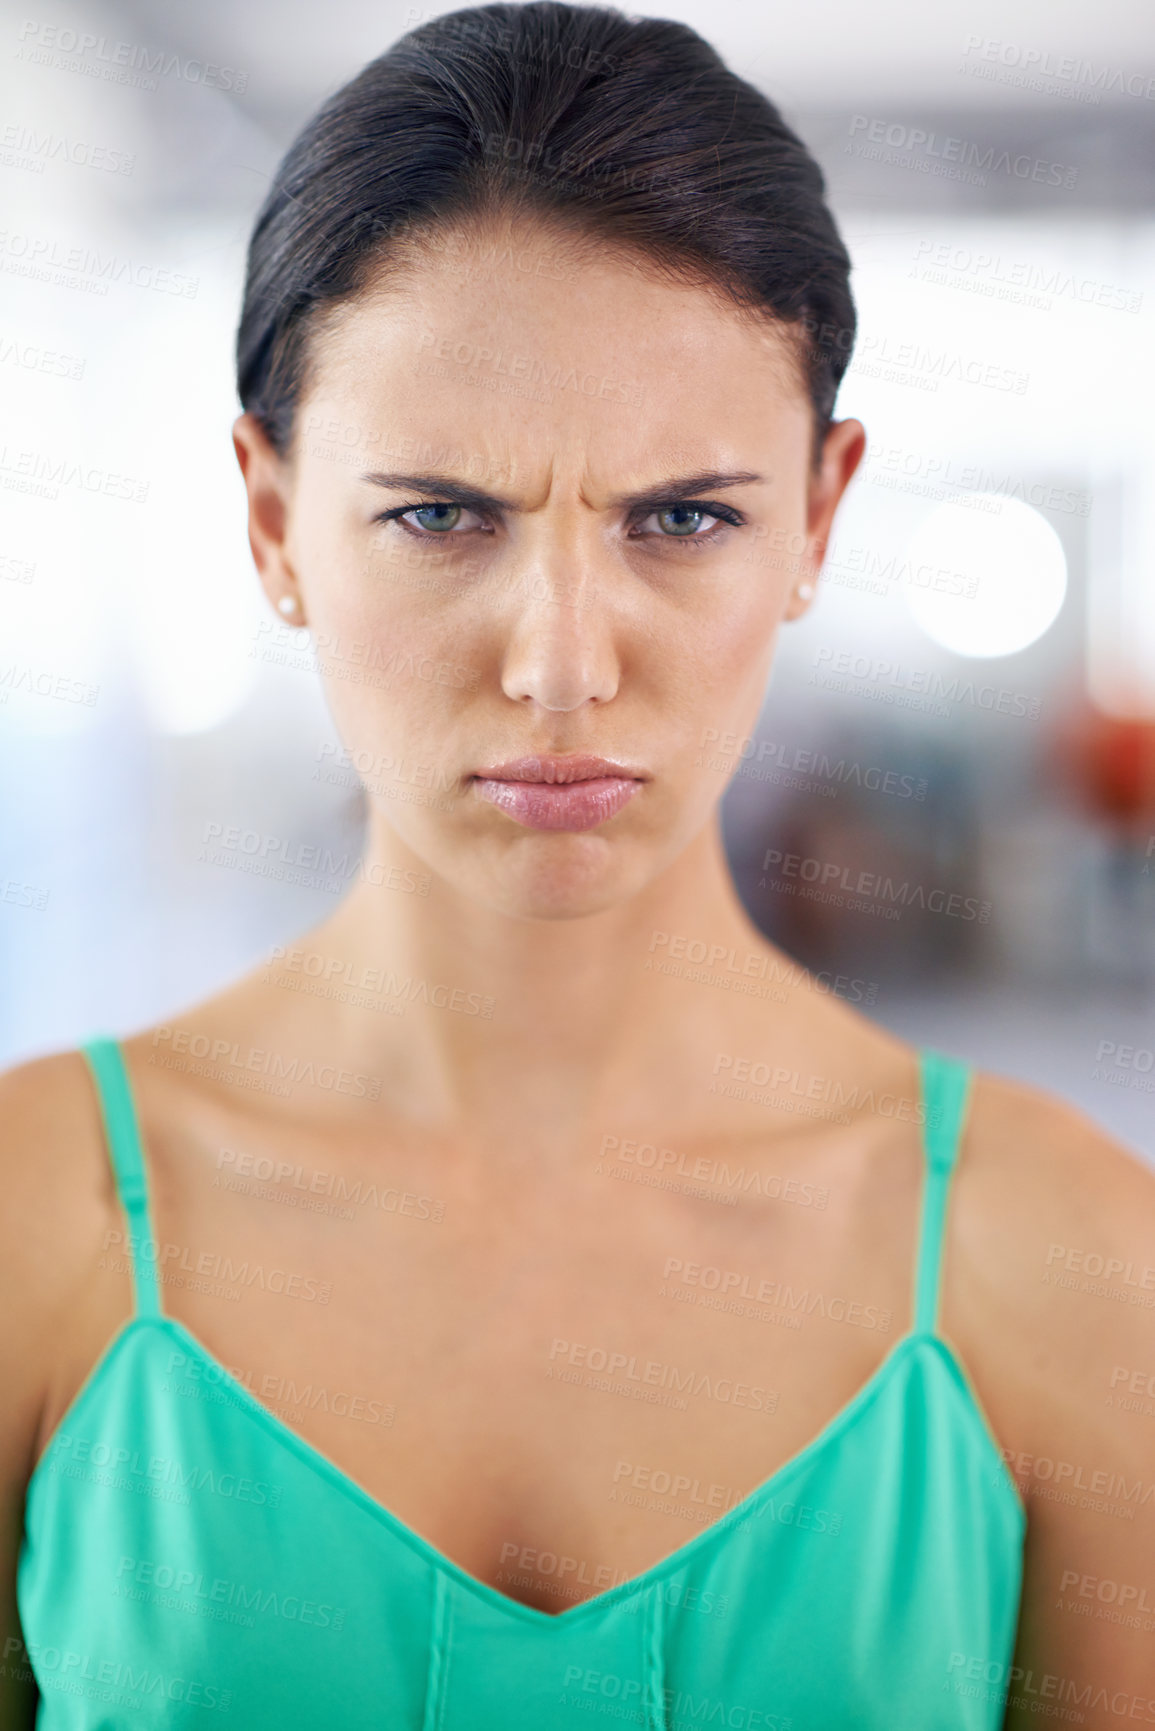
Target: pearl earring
<point x="805" y="591"/>
<point x="287" y="604"/>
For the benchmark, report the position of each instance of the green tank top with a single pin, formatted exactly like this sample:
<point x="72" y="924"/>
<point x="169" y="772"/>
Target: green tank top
<point x="189" y="1560"/>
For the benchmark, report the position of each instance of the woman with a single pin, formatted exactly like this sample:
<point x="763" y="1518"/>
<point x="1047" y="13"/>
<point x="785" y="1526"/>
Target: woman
<point x="394" y="1344"/>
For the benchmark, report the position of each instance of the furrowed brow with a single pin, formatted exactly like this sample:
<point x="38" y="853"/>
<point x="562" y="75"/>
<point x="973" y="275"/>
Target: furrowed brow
<point x="680" y="487"/>
<point x="441" y="488"/>
<point x="668" y="492"/>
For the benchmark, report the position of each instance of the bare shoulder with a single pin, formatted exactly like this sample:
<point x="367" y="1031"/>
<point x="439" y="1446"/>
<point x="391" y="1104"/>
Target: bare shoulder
<point x="1049" y="1293"/>
<point x="1050" y="1258"/>
<point x="59" y="1202"/>
<point x="1048" y="1202"/>
<point x="57" y="1181"/>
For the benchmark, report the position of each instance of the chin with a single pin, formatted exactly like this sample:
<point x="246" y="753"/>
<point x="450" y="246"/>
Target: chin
<point x="563" y="876"/>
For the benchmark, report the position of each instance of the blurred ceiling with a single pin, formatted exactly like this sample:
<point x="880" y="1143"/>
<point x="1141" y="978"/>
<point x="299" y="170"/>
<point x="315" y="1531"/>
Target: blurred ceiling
<point x="821" y="54"/>
<point x="1057" y="80"/>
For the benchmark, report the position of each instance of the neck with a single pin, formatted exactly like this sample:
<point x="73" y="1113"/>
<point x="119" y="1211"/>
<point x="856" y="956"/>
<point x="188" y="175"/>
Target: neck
<point x="512" y="1022"/>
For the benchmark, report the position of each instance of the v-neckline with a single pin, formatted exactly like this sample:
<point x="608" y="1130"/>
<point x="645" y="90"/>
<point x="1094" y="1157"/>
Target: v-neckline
<point x="321" y="1464"/>
<point x="324" y="1467"/>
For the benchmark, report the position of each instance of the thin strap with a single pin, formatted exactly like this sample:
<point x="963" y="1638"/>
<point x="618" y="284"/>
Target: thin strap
<point x="122" y="1133"/>
<point x="945" y="1085"/>
<point x="655" y="1660"/>
<point x="439" y="1643"/>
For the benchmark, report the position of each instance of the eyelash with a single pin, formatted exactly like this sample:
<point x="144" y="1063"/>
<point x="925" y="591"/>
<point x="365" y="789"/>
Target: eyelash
<point x="727" y="515"/>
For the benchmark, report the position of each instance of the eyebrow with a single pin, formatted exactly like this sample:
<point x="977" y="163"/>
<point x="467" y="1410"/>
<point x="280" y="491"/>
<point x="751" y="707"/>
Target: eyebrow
<point x="668" y="492"/>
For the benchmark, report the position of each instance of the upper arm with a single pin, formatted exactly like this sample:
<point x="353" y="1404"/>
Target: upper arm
<point x="54" y="1205"/>
<point x="1072" y="1327"/>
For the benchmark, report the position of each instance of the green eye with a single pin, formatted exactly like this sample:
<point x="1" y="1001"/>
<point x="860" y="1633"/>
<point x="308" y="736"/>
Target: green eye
<point x="680" y="519"/>
<point x="443" y="516"/>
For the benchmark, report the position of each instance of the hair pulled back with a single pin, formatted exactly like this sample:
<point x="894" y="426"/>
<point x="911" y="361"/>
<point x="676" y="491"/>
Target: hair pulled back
<point x="631" y="131"/>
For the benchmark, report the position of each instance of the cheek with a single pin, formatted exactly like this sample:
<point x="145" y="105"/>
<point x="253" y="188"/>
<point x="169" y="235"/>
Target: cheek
<point x="717" y="672"/>
<point x="715" y="653"/>
<point x="395" y="669"/>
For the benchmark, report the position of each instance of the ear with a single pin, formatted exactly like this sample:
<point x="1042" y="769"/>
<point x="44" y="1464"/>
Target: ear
<point x="266" y="477"/>
<point x="842" y="451"/>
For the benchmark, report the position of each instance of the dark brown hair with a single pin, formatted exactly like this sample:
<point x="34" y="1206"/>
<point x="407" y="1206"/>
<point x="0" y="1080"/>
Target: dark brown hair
<point x="629" y="130"/>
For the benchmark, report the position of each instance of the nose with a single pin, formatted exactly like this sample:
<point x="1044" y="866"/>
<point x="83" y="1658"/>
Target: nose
<point x="560" y="649"/>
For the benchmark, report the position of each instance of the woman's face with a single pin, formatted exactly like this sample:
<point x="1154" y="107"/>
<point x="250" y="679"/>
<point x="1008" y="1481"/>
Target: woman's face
<point x="608" y="510"/>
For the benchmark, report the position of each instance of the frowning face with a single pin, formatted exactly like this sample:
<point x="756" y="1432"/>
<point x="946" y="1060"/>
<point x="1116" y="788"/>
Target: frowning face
<point x="543" y="503"/>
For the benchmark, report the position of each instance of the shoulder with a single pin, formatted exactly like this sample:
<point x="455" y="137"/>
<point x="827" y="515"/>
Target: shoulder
<point x="59" y="1205"/>
<point x="57" y="1181"/>
<point x="1054" y="1191"/>
<point x="1050" y="1270"/>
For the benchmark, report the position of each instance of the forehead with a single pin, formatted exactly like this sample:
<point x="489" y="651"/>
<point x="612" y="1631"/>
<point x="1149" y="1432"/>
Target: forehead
<point x="520" y="334"/>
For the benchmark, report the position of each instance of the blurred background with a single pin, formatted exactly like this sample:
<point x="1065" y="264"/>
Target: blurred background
<point x="950" y="796"/>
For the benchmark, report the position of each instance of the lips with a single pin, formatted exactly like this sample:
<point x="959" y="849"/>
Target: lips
<point x="558" y="793"/>
<point x="558" y="771"/>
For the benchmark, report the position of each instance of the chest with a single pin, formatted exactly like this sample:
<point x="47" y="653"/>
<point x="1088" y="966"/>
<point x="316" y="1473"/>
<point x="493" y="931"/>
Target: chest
<point x="522" y="1367"/>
